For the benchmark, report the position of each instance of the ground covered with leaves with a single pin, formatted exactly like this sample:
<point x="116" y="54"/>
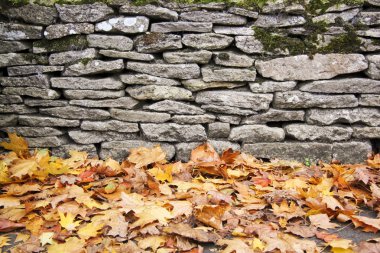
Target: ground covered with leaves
<point x="145" y="204"/>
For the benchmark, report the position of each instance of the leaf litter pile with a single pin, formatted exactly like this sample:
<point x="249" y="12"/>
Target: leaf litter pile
<point x="145" y="204"/>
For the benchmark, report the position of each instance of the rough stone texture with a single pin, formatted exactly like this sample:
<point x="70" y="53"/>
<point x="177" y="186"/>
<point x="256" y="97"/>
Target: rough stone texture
<point x="369" y="100"/>
<point x="351" y="152"/>
<point x="74" y="112"/>
<point x="60" y="31"/>
<point x="39" y="81"/>
<point x="138" y="24"/>
<point x="92" y="94"/>
<point x="198" y="119"/>
<point x="272" y="86"/>
<point x="20" y="32"/>
<point x="299" y="99"/>
<point x="168" y="27"/>
<point x="71" y="56"/>
<point x="373" y="70"/>
<point x="155" y="92"/>
<point x="157" y="42"/>
<point x="228" y="109"/>
<point x="33" y="13"/>
<point x="249" y="44"/>
<point x="45" y="103"/>
<point x="330" y="18"/>
<point x="110" y="125"/>
<point x="33" y="69"/>
<point x="73" y="42"/>
<point x="372" y="32"/>
<point x="366" y="132"/>
<point x="13" y="46"/>
<point x="90" y="137"/>
<point x="16" y="108"/>
<point x="218" y="130"/>
<point x="34" y="131"/>
<point x="231" y="59"/>
<point x="8" y="120"/>
<point x="213" y="17"/>
<point x="139" y="116"/>
<point x="230" y="30"/>
<point x="373" y="2"/>
<point x="14" y="59"/>
<point x="84" y="12"/>
<point x="175" y="107"/>
<point x="256" y="133"/>
<point x="368" y="116"/>
<point x="30" y="120"/>
<point x="231" y="119"/>
<point x="235" y="99"/>
<point x="32" y="92"/>
<point x="208" y="41"/>
<point x="127" y="55"/>
<point x="94" y="67"/>
<point x="151" y="11"/>
<point x="344" y="85"/>
<point x="369" y="18"/>
<point x="123" y="102"/>
<point x="10" y="99"/>
<point x="279" y="20"/>
<point x="199" y="84"/>
<point x="303" y="132"/>
<point x="275" y="115"/>
<point x="243" y="12"/>
<point x="145" y="79"/>
<point x="64" y="150"/>
<point x="81" y="83"/>
<point x="46" y="142"/>
<point x="119" y="150"/>
<point x="172" y="132"/>
<point x="183" y="150"/>
<point x="228" y="74"/>
<point x="180" y="71"/>
<point x="301" y="67"/>
<point x="201" y="56"/>
<point x="117" y="42"/>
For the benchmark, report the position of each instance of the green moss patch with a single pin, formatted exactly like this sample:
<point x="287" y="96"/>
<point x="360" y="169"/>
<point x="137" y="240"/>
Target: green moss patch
<point x="64" y="44"/>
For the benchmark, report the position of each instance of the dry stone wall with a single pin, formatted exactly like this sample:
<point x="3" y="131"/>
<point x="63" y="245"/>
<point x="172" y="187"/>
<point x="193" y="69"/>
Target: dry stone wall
<point x="107" y="78"/>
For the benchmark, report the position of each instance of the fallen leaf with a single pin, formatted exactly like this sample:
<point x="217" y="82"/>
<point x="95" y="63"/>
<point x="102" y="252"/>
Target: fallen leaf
<point x="144" y="156"/>
<point x="196" y="234"/>
<point x="235" y="245"/>
<point x="67" y="221"/>
<point x="16" y="144"/>
<point x="322" y="221"/>
<point x="46" y="238"/>
<point x="211" y="215"/>
<point x="71" y="245"/>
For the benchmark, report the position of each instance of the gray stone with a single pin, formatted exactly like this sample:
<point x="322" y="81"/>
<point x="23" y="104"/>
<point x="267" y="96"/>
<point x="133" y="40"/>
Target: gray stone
<point x="81" y="83"/>
<point x="46" y="142"/>
<point x="243" y="12"/>
<point x="93" y="94"/>
<point x="179" y="71"/>
<point x="45" y="103"/>
<point x="16" y="108"/>
<point x="9" y="31"/>
<point x="344" y="85"/>
<point x="74" y="112"/>
<point x="235" y="98"/>
<point x="73" y="42"/>
<point x="249" y="44"/>
<point x="123" y="102"/>
<point x="231" y="59"/>
<point x="145" y="79"/>
<point x="369" y="100"/>
<point x="230" y="30"/>
<point x="34" y="131"/>
<point x="13" y="46"/>
<point x="40" y="81"/>
<point x="275" y="6"/>
<point x="368" y="116"/>
<point x="299" y="99"/>
<point x="64" y="150"/>
<point x="10" y="99"/>
<point x="296" y="9"/>
<point x="280" y="20"/>
<point x="33" y="14"/>
<point x="351" y="152"/>
<point x="373" y="2"/>
<point x="33" y="69"/>
<point x="341" y="7"/>
<point x="71" y="56"/>
<point x="228" y="74"/>
<point x="90" y="137"/>
<point x="301" y="67"/>
<point x="290" y="151"/>
<point x="14" y="59"/>
<point x="157" y="42"/>
<point x="127" y="55"/>
<point x="169" y="27"/>
<point x="256" y="133"/>
<point x="83" y="12"/>
<point x="199" y="84"/>
<point x="330" y="18"/>
<point x="32" y="92"/>
<point x="139" y="116"/>
<point x="366" y="132"/>
<point x="372" y="32"/>
<point x="138" y="24"/>
<point x="228" y="109"/>
<point x="368" y="45"/>
<point x="94" y="67"/>
<point x="31" y="120"/>
<point x="369" y="18"/>
<point x="110" y="125"/>
<point x="155" y="92"/>
<point x="63" y="30"/>
<point x="221" y="18"/>
<point x="201" y="56"/>
<point x="119" y="150"/>
<point x="272" y="86"/>
<point x="208" y="41"/>
<point x="274" y="115"/>
<point x="172" y="132"/>
<point x="189" y="119"/>
<point x="152" y="11"/>
<point x="373" y="70"/>
<point x="231" y="119"/>
<point x="303" y="132"/>
<point x="174" y="107"/>
<point x="8" y="120"/>
<point x="218" y="130"/>
<point x="117" y="42"/>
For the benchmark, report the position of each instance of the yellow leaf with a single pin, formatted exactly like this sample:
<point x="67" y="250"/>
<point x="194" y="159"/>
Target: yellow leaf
<point x="295" y="183"/>
<point x="34" y="225"/>
<point x="22" y="167"/>
<point x="282" y="221"/>
<point x="90" y="230"/>
<point x="153" y="242"/>
<point x="162" y="174"/>
<point x="148" y="214"/>
<point x="143" y="156"/>
<point x="4" y="173"/>
<point x="16" y="144"/>
<point x="68" y="221"/>
<point x="46" y="238"/>
<point x="257" y="244"/>
<point x="4" y="241"/>
<point x="234" y="245"/>
<point x="340" y="250"/>
<point x="22" y="237"/>
<point x="9" y="201"/>
<point x="72" y="245"/>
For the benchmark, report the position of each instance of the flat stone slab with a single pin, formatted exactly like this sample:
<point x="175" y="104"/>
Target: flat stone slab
<point x="39" y="81"/>
<point x="190" y="119"/>
<point x="139" y="116"/>
<point x="46" y="142"/>
<point x="10" y="99"/>
<point x="275" y="115"/>
<point x="199" y="84"/>
<point x="33" y="69"/>
<point x="231" y="30"/>
<point x="83" y="12"/>
<point x="117" y="42"/>
<point x="232" y="59"/>
<point x="110" y="125"/>
<point x="34" y="131"/>
<point x="373" y="70"/>
<point x="93" y="67"/>
<point x="64" y="150"/>
<point x="329" y="18"/>
<point x="225" y="109"/>
<point x="123" y="102"/>
<point x="351" y="152"/>
<point x="221" y="18"/>
<point x="370" y="18"/>
<point x="178" y="71"/>
<point x="366" y="132"/>
<point x="82" y="83"/>
<point x="71" y="56"/>
<point x="41" y="15"/>
<point x="157" y="42"/>
<point x="272" y="86"/>
<point x="31" y="120"/>
<point x="10" y="31"/>
<point x="218" y="130"/>
<point x="90" y="137"/>
<point x="93" y="94"/>
<point x="228" y="74"/>
<point x="207" y="41"/>
<point x="45" y="103"/>
<point x="13" y="46"/>
<point x="175" y="107"/>
<point x="249" y="44"/>
<point x="169" y="27"/>
<point x="74" y="112"/>
<point x="127" y="55"/>
<point x="151" y="11"/>
<point x="172" y="132"/>
<point x="155" y="92"/>
<point x="8" y="120"/>
<point x="69" y="43"/>
<point x="369" y="100"/>
<point x="32" y="92"/>
<point x="256" y="133"/>
<point x="344" y="85"/>
<point x="130" y="25"/>
<point x="243" y="12"/>
<point x="63" y="30"/>
<point x="145" y="79"/>
<point x="14" y="59"/>
<point x="303" y="132"/>
<point x="280" y="20"/>
<point x="200" y="57"/>
<point x="17" y="109"/>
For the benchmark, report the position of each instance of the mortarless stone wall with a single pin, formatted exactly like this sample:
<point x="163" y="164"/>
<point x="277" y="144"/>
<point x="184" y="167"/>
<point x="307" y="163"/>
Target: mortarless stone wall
<point x="274" y="83"/>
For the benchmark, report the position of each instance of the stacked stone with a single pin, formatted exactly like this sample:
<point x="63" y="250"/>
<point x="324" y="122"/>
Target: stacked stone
<point x="105" y="79"/>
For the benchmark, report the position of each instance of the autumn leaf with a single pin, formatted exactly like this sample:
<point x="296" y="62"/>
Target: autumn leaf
<point x="149" y="214"/>
<point x="287" y="211"/>
<point x="16" y="144"/>
<point x="4" y="241"/>
<point x="235" y="245"/>
<point x="186" y="231"/>
<point x="67" y="221"/>
<point x="90" y="230"/>
<point x="144" y="156"/>
<point x="152" y="242"/>
<point x="369" y="224"/>
<point x="322" y="221"/>
<point x="71" y="245"/>
<point x="46" y="238"/>
<point x="7" y="225"/>
<point x="23" y="167"/>
<point x="211" y="215"/>
<point x="162" y="173"/>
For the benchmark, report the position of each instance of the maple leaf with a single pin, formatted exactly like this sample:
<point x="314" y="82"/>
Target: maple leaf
<point x="332" y="202"/>
<point x="9" y="202"/>
<point x="211" y="215"/>
<point x="46" y="238"/>
<point x="187" y="231"/>
<point x="369" y="224"/>
<point x="22" y="167"/>
<point x="90" y="230"/>
<point x="235" y="245"/>
<point x="18" y="190"/>
<point x="144" y="156"/>
<point x="149" y="214"/>
<point x="341" y="246"/>
<point x="67" y="221"/>
<point x="181" y="208"/>
<point x="162" y="172"/>
<point x="153" y="242"/>
<point x="257" y="244"/>
<point x="287" y="211"/>
<point x="4" y="241"/>
<point x="16" y="144"/>
<point x="7" y="225"/>
<point x="4" y="173"/>
<point x="303" y="231"/>
<point x="322" y="221"/>
<point x="71" y="245"/>
<point x="368" y="247"/>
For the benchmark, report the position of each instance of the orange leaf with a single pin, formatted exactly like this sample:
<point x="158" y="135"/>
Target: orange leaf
<point x="16" y="144"/>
